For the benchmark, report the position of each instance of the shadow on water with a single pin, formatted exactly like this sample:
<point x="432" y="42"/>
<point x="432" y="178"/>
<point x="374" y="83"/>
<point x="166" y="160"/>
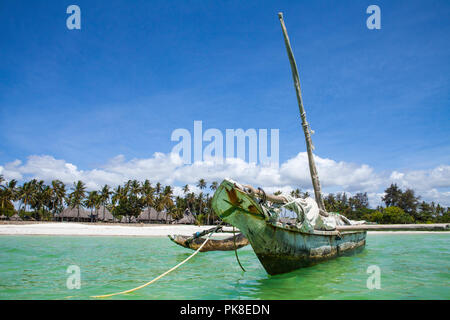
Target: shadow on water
<point x="315" y="282"/>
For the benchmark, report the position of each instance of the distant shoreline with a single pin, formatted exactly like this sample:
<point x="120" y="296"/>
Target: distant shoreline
<point x="97" y="229"/>
<point x="126" y="230"/>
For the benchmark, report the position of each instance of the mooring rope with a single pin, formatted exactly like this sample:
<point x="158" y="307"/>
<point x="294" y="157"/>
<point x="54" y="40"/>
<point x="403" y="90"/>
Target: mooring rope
<point x="162" y="275"/>
<point x="235" y="250"/>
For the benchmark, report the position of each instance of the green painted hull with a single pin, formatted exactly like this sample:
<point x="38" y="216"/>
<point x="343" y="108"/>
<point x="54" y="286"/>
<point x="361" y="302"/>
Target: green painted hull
<point x="281" y="248"/>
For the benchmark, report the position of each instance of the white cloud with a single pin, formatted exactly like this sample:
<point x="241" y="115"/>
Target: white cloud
<point x="294" y="173"/>
<point x="438" y="177"/>
<point x="349" y="176"/>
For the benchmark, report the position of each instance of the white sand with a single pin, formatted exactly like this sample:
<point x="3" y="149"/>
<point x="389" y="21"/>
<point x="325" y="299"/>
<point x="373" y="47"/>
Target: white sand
<point x="81" y="229"/>
<point x="85" y="229"/>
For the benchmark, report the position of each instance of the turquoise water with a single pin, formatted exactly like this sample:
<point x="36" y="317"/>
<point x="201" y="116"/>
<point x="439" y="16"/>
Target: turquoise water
<point x="34" y="267"/>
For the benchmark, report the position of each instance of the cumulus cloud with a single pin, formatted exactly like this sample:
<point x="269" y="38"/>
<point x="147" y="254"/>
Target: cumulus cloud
<point x="429" y="184"/>
<point x="349" y="176"/>
<point x="438" y="177"/>
<point x="294" y="173"/>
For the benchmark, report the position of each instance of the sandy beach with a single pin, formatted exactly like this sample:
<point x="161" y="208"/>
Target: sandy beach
<point x="136" y="230"/>
<point x="93" y="229"/>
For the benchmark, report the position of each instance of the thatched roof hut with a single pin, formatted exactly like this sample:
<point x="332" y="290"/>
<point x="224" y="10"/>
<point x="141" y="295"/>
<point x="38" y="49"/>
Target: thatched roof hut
<point x="104" y="216"/>
<point x="3" y="217"/>
<point x="15" y="217"/>
<point x="72" y="214"/>
<point x="188" y="218"/>
<point x="153" y="216"/>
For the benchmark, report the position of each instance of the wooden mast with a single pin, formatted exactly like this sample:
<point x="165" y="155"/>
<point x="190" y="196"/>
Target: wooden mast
<point x="305" y="125"/>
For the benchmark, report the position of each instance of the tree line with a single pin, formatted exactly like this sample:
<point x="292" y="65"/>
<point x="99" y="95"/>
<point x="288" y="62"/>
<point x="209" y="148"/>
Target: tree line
<point x="39" y="201"/>
<point x="401" y="206"/>
<point x="43" y="202"/>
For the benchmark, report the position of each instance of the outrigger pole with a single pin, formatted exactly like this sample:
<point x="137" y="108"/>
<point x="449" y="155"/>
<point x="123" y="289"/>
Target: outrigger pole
<point x="305" y="125"/>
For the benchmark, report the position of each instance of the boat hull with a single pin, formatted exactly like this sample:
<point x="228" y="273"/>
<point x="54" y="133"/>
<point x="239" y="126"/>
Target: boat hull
<point x="280" y="250"/>
<point x="227" y="244"/>
<point x="279" y="247"/>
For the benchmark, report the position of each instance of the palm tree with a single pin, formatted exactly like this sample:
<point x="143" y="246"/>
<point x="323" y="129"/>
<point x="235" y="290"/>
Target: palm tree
<point x="118" y="194"/>
<point x="202" y="185"/>
<point x="148" y="194"/>
<point x="158" y="188"/>
<point x="167" y="200"/>
<point x="159" y="204"/>
<point x="58" y="194"/>
<point x="174" y="211"/>
<point x="180" y="204"/>
<point x="190" y="200"/>
<point x="135" y="187"/>
<point x="25" y="194"/>
<point x="92" y="202"/>
<point x="214" y="185"/>
<point x="200" y="203"/>
<point x="120" y="198"/>
<point x="41" y="199"/>
<point x="113" y="207"/>
<point x="97" y="204"/>
<point x="8" y="194"/>
<point x="104" y="197"/>
<point x="77" y="196"/>
<point x="296" y="193"/>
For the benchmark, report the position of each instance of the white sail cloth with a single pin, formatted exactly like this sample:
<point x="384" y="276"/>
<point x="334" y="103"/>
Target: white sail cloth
<point x="307" y="211"/>
<point x="309" y="217"/>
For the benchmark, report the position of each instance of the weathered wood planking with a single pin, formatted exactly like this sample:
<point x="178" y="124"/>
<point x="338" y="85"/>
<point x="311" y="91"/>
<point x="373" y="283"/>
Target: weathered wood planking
<point x="280" y="248"/>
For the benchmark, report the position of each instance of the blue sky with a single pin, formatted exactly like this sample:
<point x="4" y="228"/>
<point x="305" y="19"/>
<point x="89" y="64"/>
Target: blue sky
<point x="137" y="70"/>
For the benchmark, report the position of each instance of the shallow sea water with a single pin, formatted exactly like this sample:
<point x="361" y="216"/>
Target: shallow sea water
<point x="412" y="266"/>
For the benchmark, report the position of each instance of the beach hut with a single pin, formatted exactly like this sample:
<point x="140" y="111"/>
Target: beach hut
<point x="153" y="216"/>
<point x="3" y="217"/>
<point x="188" y="218"/>
<point x="15" y="217"/>
<point x="103" y="214"/>
<point x="147" y="215"/>
<point x="71" y="214"/>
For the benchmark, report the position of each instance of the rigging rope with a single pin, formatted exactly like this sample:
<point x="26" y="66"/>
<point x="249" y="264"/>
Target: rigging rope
<point x="162" y="275"/>
<point x="235" y="250"/>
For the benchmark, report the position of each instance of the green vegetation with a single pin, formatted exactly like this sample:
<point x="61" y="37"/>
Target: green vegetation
<point x="37" y="201"/>
<point x="401" y="207"/>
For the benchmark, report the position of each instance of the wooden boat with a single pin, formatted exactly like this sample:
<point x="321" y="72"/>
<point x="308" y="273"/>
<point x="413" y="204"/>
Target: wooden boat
<point x="226" y="244"/>
<point x="280" y="247"/>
